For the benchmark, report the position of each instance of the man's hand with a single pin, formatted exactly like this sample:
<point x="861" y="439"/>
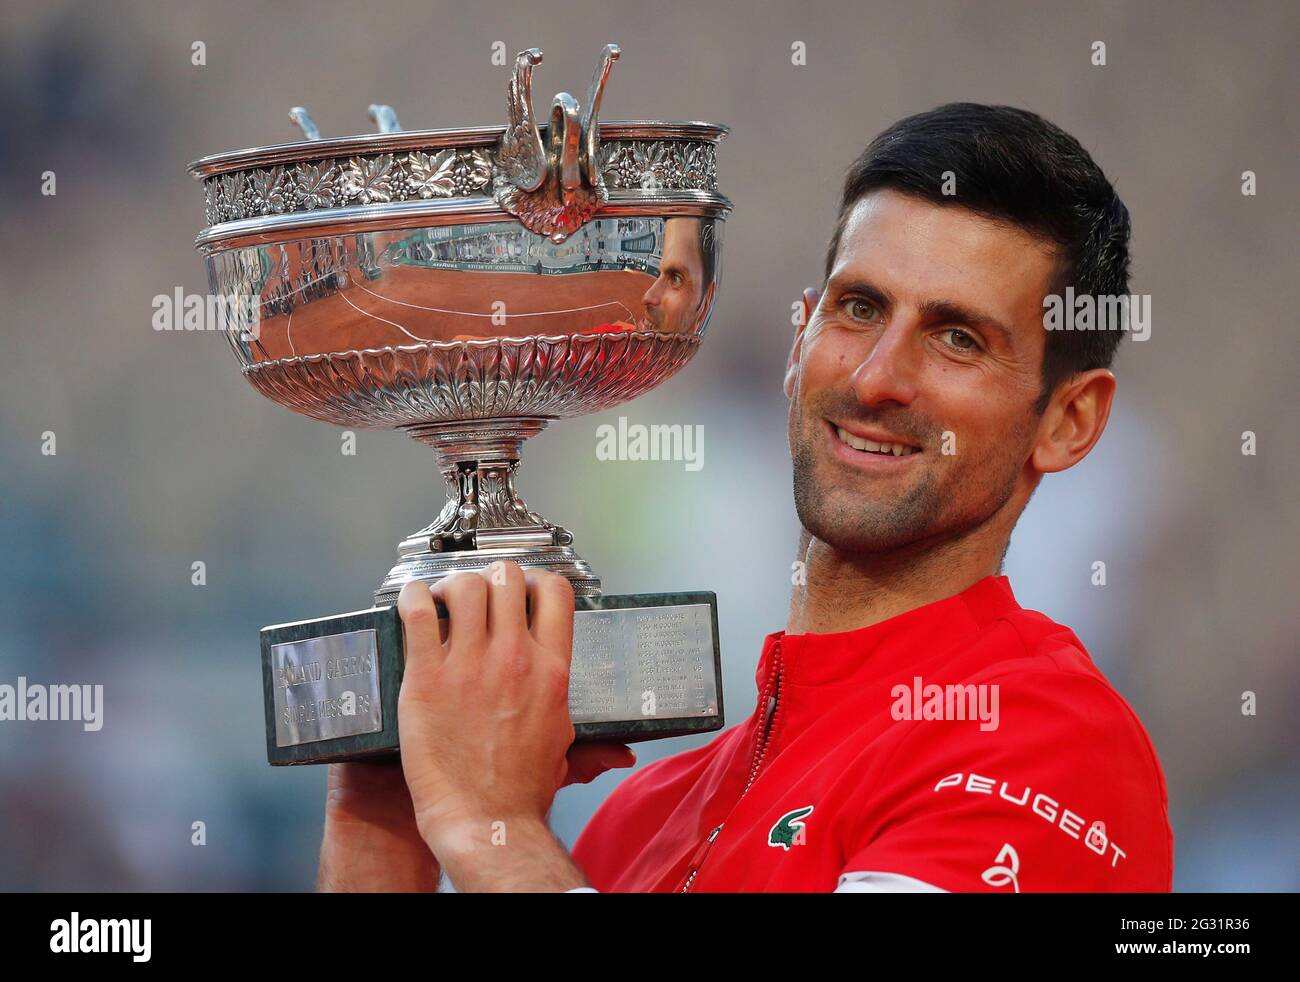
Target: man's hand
<point x="371" y="842"/>
<point x="485" y="727"/>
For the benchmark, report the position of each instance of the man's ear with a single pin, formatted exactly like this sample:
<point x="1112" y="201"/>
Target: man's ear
<point x="1073" y="421"/>
<point x="807" y="304"/>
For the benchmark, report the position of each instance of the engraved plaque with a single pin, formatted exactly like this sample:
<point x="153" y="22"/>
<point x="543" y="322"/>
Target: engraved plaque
<point x="326" y="687"/>
<point x="643" y="663"/>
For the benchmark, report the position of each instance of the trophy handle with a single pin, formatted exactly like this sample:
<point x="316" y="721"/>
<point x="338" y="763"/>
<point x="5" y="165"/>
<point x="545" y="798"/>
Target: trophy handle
<point x="552" y="189"/>
<point x="590" y="112"/>
<point x="385" y="118"/>
<point x="302" y="119"/>
<point x="521" y="158"/>
<point x="564" y="137"/>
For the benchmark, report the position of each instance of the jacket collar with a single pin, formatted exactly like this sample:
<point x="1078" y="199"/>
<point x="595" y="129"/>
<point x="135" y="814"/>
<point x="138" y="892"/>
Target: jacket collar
<point x="890" y="646"/>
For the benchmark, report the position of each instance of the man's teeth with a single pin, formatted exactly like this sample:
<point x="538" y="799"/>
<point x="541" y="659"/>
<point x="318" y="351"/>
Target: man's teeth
<point x="870" y="446"/>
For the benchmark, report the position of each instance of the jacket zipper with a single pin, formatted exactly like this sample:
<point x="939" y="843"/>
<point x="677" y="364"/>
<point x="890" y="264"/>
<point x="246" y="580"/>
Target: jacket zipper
<point x="772" y="691"/>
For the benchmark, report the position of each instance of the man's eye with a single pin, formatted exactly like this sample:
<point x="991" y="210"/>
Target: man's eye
<point x="862" y="310"/>
<point x="676" y="279"/>
<point x="959" y="339"/>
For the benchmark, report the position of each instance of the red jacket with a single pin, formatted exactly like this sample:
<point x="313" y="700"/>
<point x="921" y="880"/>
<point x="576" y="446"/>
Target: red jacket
<point x="1048" y="783"/>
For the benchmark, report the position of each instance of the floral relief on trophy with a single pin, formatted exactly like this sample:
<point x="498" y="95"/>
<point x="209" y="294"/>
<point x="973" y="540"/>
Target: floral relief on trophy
<point x="446" y="174"/>
<point x="670" y="165"/>
<point x="368" y="180"/>
<point x="269" y="192"/>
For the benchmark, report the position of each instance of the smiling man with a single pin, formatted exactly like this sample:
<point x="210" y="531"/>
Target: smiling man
<point x="927" y="401"/>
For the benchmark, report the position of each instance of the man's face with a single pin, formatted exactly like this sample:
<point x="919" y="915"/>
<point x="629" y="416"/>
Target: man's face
<point x="929" y="335"/>
<point x="673" y="300"/>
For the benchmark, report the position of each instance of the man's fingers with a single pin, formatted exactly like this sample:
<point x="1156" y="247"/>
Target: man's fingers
<point x="419" y="622"/>
<point x="587" y="761"/>
<point x="465" y="596"/>
<point x="506" y="615"/>
<point x="551" y="596"/>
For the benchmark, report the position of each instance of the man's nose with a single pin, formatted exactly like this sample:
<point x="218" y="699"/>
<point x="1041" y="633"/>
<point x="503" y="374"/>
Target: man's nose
<point x="655" y="295"/>
<point x="889" y="371"/>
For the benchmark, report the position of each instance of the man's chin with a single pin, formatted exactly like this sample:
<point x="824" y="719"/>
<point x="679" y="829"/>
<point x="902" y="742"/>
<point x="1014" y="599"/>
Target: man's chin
<point x="863" y="513"/>
<point x="865" y="543"/>
<point x="862" y="533"/>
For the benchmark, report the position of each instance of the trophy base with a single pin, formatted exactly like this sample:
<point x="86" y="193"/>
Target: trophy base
<point x="645" y="667"/>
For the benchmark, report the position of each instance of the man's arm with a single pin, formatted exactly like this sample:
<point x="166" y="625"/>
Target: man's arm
<point x="373" y="845"/>
<point x="520" y="856"/>
<point x="371" y="841"/>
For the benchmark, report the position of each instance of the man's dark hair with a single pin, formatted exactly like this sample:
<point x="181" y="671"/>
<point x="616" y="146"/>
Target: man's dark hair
<point x="1013" y="166"/>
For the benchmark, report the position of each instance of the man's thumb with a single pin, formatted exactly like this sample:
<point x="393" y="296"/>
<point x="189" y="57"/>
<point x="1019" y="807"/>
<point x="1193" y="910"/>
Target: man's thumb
<point x="587" y="761"/>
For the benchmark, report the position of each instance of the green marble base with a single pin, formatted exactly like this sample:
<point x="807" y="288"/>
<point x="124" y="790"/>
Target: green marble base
<point x="645" y="667"/>
<point x="305" y="723"/>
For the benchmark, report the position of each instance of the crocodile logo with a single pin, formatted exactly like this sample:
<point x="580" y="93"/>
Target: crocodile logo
<point x="789" y="829"/>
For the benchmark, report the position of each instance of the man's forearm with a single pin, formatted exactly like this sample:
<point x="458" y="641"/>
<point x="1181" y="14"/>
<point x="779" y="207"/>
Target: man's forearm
<point x="517" y="856"/>
<point x="368" y="860"/>
<point x="371" y="842"/>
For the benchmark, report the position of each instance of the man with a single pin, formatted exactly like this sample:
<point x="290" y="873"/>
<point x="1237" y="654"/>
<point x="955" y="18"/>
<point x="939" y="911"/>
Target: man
<point x="916" y="729"/>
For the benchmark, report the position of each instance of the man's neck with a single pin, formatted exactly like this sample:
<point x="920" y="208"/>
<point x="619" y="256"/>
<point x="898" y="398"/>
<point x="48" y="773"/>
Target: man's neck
<point x="843" y="592"/>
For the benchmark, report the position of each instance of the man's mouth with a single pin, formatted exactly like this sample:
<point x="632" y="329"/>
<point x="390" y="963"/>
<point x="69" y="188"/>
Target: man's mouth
<point x="882" y="448"/>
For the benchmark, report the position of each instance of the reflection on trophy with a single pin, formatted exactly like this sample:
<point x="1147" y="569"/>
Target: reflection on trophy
<point x="468" y="286"/>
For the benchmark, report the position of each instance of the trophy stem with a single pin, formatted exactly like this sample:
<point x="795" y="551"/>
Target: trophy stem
<point x="484" y="518"/>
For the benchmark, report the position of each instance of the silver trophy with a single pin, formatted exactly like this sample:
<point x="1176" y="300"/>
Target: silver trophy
<point x="468" y="286"/>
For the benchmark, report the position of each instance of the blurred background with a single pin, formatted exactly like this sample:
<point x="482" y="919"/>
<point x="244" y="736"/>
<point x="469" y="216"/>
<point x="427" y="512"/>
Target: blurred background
<point x="166" y="457"/>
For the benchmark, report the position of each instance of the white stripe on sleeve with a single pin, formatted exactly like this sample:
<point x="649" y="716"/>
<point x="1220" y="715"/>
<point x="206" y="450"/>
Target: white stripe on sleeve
<point x="884" y="883"/>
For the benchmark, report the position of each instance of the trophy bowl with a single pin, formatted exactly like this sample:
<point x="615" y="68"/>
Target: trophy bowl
<point x="467" y="286"/>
